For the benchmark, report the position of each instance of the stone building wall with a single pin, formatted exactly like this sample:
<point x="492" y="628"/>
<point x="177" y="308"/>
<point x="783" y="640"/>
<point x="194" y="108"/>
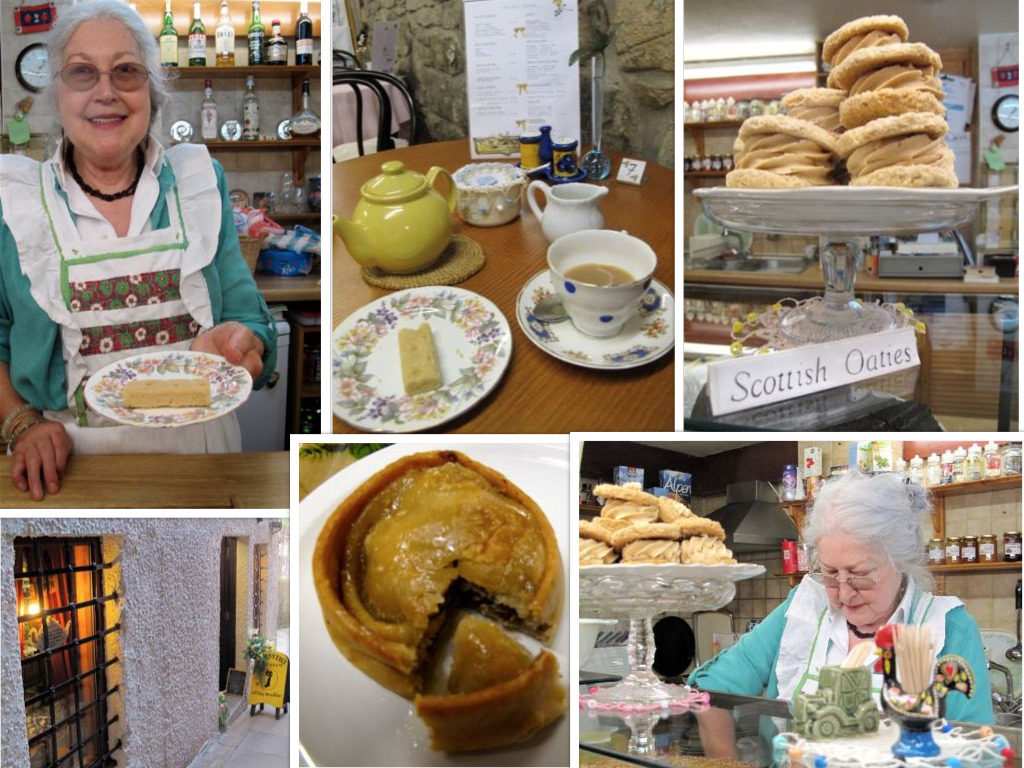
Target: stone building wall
<point x="167" y="578"/>
<point x="639" y="70"/>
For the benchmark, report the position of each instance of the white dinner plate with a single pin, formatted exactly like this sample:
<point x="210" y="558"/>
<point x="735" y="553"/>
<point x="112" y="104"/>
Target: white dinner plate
<point x="230" y="386"/>
<point x="644" y="338"/>
<point x="844" y="210"/>
<point x="348" y="719"/>
<point x="473" y="343"/>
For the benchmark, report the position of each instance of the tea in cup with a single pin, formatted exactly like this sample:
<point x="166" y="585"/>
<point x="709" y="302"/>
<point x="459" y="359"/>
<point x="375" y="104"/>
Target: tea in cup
<point x="601" y="276"/>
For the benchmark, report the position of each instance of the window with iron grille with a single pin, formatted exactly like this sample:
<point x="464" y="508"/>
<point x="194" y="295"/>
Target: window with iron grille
<point x="259" y="585"/>
<point x="63" y="633"/>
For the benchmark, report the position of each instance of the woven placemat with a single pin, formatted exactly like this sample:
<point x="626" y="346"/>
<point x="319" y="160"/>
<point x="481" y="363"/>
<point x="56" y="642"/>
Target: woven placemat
<point x="462" y="259"/>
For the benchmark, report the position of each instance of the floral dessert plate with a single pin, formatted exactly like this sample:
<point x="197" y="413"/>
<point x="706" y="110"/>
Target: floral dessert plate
<point x="643" y="339"/>
<point x="230" y="386"/>
<point x="472" y="340"/>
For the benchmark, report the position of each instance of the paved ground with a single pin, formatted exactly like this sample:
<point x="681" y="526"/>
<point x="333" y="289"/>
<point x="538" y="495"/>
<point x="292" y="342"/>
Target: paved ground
<point x="259" y="741"/>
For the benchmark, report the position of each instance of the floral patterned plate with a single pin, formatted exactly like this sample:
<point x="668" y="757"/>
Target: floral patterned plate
<point x="230" y="386"/>
<point x="473" y="342"/>
<point x="643" y="339"/>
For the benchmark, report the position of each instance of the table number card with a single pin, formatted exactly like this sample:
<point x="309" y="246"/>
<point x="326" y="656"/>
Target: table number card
<point x="518" y="76"/>
<point x="631" y="171"/>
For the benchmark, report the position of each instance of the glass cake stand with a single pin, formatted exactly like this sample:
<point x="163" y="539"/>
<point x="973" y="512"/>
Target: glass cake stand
<point x="639" y="592"/>
<point x="837" y="215"/>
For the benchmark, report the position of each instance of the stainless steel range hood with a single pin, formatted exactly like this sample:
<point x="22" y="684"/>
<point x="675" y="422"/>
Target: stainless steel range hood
<point x="752" y="517"/>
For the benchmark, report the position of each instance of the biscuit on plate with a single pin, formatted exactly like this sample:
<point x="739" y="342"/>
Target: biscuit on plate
<point x="903" y="151"/>
<point x="865" y="32"/>
<point x="639" y="531"/>
<point x="594" y="552"/>
<point x="700" y="526"/>
<point x="670" y="510"/>
<point x="704" y="550"/>
<point x="815" y="105"/>
<point x="627" y="502"/>
<point x="601" y="528"/>
<point x="783" y="151"/>
<point x="651" y="551"/>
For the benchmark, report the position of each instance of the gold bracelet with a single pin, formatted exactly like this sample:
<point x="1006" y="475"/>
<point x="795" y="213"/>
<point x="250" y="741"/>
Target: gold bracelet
<point x="23" y="426"/>
<point x="12" y="417"/>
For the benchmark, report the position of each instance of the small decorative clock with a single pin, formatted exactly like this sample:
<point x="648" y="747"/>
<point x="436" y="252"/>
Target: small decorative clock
<point x="32" y="67"/>
<point x="1006" y="113"/>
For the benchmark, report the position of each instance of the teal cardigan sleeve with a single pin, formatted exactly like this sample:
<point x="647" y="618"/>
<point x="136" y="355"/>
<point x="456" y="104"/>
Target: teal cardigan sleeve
<point x="964" y="639"/>
<point x="748" y="667"/>
<point x="30" y="343"/>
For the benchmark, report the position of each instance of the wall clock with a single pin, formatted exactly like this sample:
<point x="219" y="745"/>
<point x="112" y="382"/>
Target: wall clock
<point x="1006" y="113"/>
<point x="32" y="67"/>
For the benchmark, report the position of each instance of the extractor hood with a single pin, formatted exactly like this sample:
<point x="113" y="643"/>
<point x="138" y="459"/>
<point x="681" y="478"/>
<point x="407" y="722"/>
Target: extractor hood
<point x="752" y="517"/>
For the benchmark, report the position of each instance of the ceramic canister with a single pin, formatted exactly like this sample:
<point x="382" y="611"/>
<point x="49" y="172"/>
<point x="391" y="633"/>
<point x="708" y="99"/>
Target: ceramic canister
<point x="563" y="158"/>
<point x="529" y="150"/>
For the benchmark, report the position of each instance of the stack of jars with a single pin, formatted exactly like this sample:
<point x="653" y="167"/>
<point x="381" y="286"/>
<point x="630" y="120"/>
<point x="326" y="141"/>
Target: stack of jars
<point x="728" y="108"/>
<point x="971" y="550"/>
<point x="707" y="163"/>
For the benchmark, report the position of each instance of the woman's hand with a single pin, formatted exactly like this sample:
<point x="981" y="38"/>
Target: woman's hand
<point x="40" y="458"/>
<point x="235" y="343"/>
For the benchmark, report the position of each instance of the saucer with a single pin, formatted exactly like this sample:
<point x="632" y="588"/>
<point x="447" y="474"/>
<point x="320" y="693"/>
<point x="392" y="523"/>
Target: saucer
<point x="580" y="175"/>
<point x="644" y="338"/>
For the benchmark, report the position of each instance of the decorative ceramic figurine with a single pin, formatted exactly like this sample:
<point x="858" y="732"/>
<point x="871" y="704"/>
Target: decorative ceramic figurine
<point x="401" y="224"/>
<point x="841" y="706"/>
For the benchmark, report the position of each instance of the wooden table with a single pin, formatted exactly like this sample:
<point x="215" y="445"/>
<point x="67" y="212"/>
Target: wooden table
<point x="277" y="288"/>
<point x="214" y="480"/>
<point x="538" y="392"/>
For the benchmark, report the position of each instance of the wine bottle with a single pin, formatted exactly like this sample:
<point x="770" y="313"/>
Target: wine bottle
<point x="305" y="122"/>
<point x="225" y="37"/>
<point x="257" y="35"/>
<point x="250" y="111"/>
<point x="208" y="114"/>
<point x="304" y="36"/>
<point x="197" y="39"/>
<point x="168" y="39"/>
<point x="277" y="46"/>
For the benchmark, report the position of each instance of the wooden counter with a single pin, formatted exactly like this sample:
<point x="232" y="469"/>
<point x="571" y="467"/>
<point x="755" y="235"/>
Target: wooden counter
<point x="301" y="288"/>
<point x="215" y="480"/>
<point x="811" y="279"/>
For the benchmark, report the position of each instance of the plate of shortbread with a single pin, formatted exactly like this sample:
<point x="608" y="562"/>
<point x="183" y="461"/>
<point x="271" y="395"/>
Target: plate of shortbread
<point x="417" y="358"/>
<point x="172" y="388"/>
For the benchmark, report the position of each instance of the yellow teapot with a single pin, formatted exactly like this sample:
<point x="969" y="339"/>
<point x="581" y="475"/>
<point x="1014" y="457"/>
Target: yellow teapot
<point x="401" y="224"/>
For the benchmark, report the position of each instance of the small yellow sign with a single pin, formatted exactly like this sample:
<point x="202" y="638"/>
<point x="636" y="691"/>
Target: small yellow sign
<point x="268" y="686"/>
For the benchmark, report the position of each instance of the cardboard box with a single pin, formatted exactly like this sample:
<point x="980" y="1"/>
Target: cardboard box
<point x="678" y="484"/>
<point x="623" y="475"/>
<point x="812" y="462"/>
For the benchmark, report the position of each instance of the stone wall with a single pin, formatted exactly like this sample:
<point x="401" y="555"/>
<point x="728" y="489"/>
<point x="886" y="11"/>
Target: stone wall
<point x="639" y="70"/>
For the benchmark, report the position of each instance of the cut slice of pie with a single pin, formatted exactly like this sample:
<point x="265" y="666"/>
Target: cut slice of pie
<point x="498" y="693"/>
<point x="431" y="532"/>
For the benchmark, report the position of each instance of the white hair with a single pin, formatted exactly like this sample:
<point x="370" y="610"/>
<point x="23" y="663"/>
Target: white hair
<point x="68" y="21"/>
<point x="882" y="511"/>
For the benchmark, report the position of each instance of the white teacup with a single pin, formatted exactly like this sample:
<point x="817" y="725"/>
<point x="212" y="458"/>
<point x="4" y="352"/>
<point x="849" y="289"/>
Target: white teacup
<point x="596" y="309"/>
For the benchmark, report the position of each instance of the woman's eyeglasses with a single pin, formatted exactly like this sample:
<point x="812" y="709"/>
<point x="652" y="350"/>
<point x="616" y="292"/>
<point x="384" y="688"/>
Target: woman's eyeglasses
<point x="124" y="77"/>
<point x="857" y="583"/>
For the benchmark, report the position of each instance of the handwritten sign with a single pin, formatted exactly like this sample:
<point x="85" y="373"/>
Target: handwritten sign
<point x="268" y="686"/>
<point x="235" y="682"/>
<point x="739" y="383"/>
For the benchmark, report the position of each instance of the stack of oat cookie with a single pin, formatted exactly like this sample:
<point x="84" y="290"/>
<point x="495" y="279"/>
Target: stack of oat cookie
<point x="879" y="123"/>
<point x="638" y="527"/>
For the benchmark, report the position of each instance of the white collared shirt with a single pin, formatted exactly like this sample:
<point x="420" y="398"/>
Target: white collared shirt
<point x="839" y="635"/>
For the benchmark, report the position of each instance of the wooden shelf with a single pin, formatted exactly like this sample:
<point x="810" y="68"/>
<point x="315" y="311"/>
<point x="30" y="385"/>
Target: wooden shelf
<point x="263" y="72"/>
<point x="299" y="216"/>
<point x="714" y="124"/>
<point x="590" y="509"/>
<point x="998" y="566"/>
<point x="1001" y="483"/>
<point x="704" y="174"/>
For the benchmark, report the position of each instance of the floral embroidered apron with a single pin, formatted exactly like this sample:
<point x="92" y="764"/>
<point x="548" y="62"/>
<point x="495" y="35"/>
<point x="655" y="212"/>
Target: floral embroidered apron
<point x="122" y="297"/>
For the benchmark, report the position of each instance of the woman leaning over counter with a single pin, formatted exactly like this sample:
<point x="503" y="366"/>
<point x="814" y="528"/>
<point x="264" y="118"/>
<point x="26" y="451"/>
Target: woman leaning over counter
<point x="869" y="570"/>
<point x="113" y="247"/>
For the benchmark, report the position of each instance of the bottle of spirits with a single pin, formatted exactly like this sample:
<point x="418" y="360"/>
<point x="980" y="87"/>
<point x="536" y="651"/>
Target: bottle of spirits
<point x="277" y="46"/>
<point x="305" y="122"/>
<point x="208" y="114"/>
<point x="257" y="36"/>
<point x="250" y="111"/>
<point x="225" y="37"/>
<point x="304" y="36"/>
<point x="197" y="39"/>
<point x="168" y="39"/>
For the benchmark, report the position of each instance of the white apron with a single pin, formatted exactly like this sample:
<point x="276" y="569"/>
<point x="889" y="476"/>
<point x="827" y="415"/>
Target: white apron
<point x="122" y="297"/>
<point x="810" y="624"/>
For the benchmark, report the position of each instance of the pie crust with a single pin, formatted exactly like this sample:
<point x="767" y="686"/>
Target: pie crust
<point x="423" y="533"/>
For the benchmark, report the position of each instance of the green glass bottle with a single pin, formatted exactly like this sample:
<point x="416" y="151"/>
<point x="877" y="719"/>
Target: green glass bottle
<point x="168" y="39"/>
<point x="197" y="39"/>
<point x="257" y="36"/>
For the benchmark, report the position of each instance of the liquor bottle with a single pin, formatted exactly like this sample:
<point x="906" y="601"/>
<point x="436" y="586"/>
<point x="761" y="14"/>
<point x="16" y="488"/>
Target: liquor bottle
<point x="196" y="39"/>
<point x="257" y="34"/>
<point x="225" y="37"/>
<point x="304" y="36"/>
<point x="208" y="114"/>
<point x="168" y="39"/>
<point x="277" y="46"/>
<point x="250" y="111"/>
<point x="305" y="122"/>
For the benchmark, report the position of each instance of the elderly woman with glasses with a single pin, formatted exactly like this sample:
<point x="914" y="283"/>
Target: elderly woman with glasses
<point x="113" y="247"/>
<point x="868" y="535"/>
